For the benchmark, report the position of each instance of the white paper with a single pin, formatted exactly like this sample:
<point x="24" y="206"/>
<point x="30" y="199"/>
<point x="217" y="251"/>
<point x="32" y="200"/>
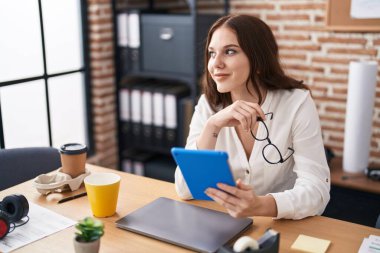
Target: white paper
<point x="359" y="109"/>
<point x="122" y="29"/>
<point x="134" y="30"/>
<point x="375" y="239"/>
<point x="365" y="9"/>
<point x="42" y="222"/>
<point x="370" y="245"/>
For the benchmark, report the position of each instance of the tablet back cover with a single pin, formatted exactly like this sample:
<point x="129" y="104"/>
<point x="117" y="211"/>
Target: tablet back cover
<point x="185" y="225"/>
<point x="203" y="169"/>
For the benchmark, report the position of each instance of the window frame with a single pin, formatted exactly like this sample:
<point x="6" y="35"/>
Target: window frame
<point x="85" y="70"/>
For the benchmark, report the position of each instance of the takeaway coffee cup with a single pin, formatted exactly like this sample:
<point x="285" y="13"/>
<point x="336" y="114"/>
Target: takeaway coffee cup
<point x="73" y="159"/>
<point x="102" y="191"/>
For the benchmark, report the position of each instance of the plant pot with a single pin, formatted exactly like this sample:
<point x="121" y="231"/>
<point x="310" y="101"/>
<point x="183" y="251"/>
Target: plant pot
<point x="86" y="247"/>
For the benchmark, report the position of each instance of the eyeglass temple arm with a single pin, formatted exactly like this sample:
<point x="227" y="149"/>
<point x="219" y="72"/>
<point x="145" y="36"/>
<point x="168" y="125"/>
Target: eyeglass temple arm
<point x="292" y="152"/>
<point x="269" y="113"/>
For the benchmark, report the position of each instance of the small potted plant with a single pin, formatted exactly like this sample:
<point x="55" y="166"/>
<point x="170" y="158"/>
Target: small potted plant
<point x="87" y="238"/>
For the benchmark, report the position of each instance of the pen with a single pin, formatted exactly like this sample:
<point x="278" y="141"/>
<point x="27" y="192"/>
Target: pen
<point x="72" y="197"/>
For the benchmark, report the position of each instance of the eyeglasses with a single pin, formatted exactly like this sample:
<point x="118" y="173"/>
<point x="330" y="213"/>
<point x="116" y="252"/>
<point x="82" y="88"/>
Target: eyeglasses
<point x="270" y="151"/>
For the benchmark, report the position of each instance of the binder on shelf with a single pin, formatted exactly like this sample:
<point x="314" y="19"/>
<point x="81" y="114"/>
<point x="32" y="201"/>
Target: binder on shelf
<point x="122" y="29"/>
<point x="122" y="43"/>
<point x="171" y="103"/>
<point x="136" y="115"/>
<point x="125" y="101"/>
<point x="124" y="64"/>
<point x="139" y="161"/>
<point x="127" y="160"/>
<point x="125" y="116"/>
<point x="158" y="115"/>
<point x="147" y="115"/>
<point x="126" y="139"/>
<point x="161" y="167"/>
<point x="186" y="109"/>
<point x="134" y="40"/>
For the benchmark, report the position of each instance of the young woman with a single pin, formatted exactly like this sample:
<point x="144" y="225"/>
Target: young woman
<point x="266" y="122"/>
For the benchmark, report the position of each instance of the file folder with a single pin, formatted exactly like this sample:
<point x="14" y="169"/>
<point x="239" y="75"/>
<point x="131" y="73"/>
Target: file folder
<point x="186" y="109"/>
<point x="134" y="40"/>
<point x="171" y="102"/>
<point x="147" y="115"/>
<point x="136" y="114"/>
<point x="125" y="116"/>
<point x="159" y="116"/>
<point x="124" y="107"/>
<point x="127" y="160"/>
<point x="122" y="30"/>
<point x="139" y="161"/>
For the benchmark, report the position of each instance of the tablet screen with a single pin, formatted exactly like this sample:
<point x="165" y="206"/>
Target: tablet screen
<point x="202" y="169"/>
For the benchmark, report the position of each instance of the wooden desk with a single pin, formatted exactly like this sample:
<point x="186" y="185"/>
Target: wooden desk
<point x="355" y="181"/>
<point x="136" y="191"/>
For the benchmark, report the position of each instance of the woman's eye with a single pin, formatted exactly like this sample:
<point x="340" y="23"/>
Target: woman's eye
<point x="230" y="51"/>
<point x="211" y="54"/>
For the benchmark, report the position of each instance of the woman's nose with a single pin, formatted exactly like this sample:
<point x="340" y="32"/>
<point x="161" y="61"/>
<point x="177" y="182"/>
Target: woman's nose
<point x="218" y="62"/>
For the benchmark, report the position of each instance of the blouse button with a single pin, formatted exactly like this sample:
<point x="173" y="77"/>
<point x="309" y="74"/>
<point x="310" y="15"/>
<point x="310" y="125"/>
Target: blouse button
<point x="246" y="171"/>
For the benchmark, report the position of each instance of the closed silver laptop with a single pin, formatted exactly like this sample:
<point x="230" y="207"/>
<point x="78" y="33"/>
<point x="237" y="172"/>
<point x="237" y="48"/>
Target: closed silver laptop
<point x="185" y="225"/>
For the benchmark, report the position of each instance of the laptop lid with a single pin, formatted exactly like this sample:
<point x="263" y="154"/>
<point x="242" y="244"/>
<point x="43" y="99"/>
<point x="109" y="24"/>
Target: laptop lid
<point x="185" y="225"/>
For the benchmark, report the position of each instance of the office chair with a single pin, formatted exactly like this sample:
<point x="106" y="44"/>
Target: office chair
<point x="18" y="165"/>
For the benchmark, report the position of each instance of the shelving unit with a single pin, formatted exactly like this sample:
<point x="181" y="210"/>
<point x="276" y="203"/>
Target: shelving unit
<point x="170" y="52"/>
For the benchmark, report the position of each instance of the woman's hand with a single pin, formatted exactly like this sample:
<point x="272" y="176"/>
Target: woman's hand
<point x="238" y="113"/>
<point x="241" y="201"/>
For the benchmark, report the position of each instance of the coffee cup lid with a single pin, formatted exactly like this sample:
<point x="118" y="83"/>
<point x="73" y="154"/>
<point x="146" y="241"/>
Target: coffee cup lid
<point x="73" y="149"/>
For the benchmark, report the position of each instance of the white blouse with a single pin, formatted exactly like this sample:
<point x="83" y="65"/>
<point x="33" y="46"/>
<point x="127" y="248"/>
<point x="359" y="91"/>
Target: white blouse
<point x="301" y="185"/>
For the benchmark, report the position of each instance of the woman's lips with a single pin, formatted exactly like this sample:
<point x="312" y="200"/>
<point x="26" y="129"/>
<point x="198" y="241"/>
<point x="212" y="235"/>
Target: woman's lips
<point x="220" y="76"/>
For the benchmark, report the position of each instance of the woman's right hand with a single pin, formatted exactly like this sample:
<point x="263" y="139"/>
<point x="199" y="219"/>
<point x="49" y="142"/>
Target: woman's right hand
<point x="238" y="113"/>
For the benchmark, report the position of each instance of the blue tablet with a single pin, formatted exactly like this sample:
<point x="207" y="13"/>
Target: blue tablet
<point x="202" y="169"/>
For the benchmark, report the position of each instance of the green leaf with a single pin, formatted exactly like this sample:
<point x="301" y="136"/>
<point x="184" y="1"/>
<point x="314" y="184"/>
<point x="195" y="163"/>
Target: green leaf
<point x="89" y="229"/>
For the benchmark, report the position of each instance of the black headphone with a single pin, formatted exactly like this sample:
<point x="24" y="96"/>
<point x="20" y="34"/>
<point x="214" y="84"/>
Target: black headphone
<point x="13" y="208"/>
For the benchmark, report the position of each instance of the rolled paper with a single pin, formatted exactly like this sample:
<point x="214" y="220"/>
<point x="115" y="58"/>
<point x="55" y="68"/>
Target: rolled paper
<point x="359" y="111"/>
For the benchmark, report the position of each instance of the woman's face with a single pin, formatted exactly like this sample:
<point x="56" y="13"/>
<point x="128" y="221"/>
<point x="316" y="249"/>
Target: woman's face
<point x="228" y="65"/>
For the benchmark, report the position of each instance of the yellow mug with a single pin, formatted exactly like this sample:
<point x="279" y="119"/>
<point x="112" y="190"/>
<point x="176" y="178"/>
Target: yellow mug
<point x="102" y="191"/>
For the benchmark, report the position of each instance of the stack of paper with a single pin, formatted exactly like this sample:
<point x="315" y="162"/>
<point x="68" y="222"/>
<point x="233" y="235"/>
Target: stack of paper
<point x="370" y="245"/>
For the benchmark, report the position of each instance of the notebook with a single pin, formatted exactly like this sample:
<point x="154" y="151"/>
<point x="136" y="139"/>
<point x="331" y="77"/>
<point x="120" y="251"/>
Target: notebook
<point x="185" y="225"/>
<point x="203" y="169"/>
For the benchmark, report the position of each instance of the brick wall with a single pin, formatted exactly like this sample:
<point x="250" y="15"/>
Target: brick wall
<point x="103" y="87"/>
<point x="307" y="51"/>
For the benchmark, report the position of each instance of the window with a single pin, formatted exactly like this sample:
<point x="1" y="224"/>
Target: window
<point x="44" y="74"/>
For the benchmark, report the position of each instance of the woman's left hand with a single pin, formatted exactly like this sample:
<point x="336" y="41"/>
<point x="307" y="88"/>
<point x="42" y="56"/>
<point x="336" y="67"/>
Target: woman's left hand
<point x="240" y="201"/>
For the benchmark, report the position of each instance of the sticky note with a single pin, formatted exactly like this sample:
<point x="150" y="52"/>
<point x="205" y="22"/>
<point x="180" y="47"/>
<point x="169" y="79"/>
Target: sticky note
<point x="310" y="244"/>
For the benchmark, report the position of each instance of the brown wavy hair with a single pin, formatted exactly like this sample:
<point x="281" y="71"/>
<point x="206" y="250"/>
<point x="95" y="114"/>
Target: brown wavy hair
<point x="259" y="44"/>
